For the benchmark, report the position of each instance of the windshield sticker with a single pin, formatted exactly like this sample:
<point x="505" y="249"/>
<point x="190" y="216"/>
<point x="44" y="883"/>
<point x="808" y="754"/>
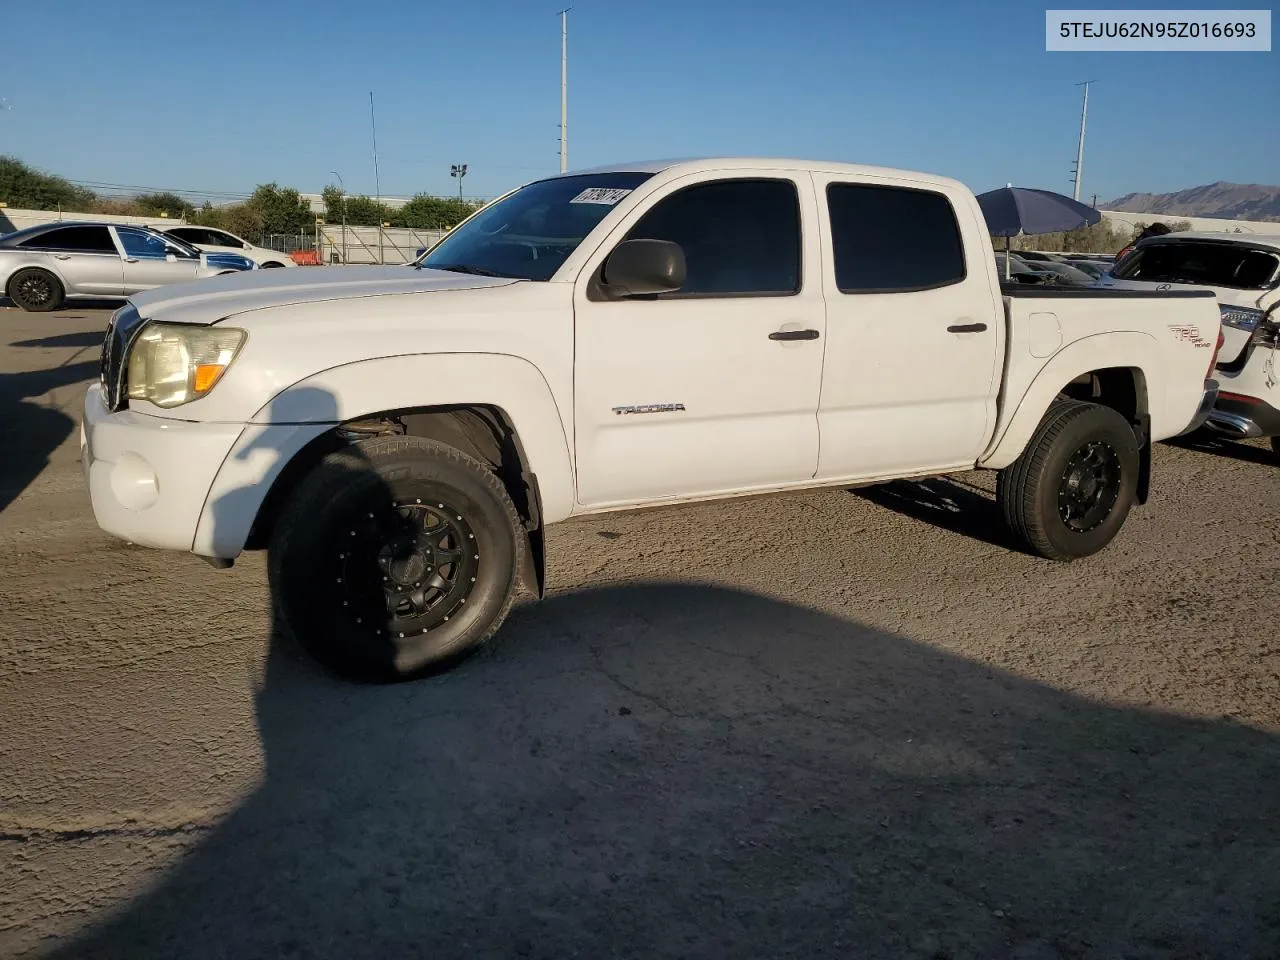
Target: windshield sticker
<point x="606" y="195"/>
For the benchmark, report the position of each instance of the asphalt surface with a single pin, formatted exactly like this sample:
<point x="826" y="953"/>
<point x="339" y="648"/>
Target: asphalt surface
<point x="832" y="724"/>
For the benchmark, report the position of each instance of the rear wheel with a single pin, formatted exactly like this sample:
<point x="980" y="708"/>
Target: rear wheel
<point x="36" y="290"/>
<point x="395" y="555"/>
<point x="1069" y="493"/>
<point x="1275" y="447"/>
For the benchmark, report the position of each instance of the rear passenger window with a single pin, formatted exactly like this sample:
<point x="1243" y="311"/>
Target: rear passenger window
<point x="73" y="240"/>
<point x="890" y="239"/>
<point x="740" y="237"/>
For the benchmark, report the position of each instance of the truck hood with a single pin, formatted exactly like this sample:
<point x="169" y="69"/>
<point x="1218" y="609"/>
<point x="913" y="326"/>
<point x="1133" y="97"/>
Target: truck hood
<point x="214" y="299"/>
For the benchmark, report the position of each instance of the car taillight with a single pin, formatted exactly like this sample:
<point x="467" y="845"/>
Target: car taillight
<point x="1213" y="362"/>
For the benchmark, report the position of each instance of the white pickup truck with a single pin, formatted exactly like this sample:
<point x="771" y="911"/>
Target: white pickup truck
<point x="642" y="334"/>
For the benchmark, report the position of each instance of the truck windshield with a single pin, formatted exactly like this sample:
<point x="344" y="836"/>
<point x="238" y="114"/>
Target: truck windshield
<point x="1210" y="264"/>
<point x="530" y="233"/>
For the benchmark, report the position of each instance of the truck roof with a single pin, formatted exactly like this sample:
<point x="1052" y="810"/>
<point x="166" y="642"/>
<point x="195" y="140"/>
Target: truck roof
<point x="704" y="164"/>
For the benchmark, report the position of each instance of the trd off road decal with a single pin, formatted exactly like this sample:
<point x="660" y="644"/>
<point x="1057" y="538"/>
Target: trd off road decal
<point x="1190" y="335"/>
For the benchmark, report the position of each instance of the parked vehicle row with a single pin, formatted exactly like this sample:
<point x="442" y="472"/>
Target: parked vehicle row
<point x="1033" y="267"/>
<point x="223" y="241"/>
<point x="399" y="438"/>
<point x="44" y="266"/>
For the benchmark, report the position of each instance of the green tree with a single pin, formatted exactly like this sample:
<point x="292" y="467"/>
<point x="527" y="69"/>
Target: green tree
<point x="154" y="204"/>
<point x="210" y="216"/>
<point x="433" y="213"/>
<point x="281" y="209"/>
<point x="24" y="187"/>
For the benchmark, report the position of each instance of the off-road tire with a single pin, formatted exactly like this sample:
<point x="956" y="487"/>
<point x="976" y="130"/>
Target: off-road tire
<point x="322" y="547"/>
<point x="36" y="290"/>
<point x="1031" y="490"/>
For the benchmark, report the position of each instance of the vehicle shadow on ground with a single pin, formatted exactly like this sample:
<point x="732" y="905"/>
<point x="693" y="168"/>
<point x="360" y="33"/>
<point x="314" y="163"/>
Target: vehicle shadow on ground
<point x="1205" y="442"/>
<point x="84" y="338"/>
<point x="72" y="306"/>
<point x="31" y="430"/>
<point x="663" y="770"/>
<point x="944" y="503"/>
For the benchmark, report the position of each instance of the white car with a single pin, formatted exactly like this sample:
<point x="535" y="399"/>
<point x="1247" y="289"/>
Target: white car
<point x="1243" y="271"/>
<point x="220" y="241"/>
<point x="643" y="334"/>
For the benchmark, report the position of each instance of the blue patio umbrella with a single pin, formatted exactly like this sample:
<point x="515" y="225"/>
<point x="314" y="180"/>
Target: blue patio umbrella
<point x="1011" y="211"/>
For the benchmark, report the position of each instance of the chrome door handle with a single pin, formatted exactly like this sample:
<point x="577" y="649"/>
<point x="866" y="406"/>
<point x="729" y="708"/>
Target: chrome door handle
<point x="62" y="256"/>
<point x="130" y="259"/>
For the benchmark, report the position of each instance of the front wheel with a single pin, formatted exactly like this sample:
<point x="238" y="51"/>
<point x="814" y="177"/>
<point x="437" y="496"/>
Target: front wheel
<point x="1070" y="491"/>
<point x="1275" y="447"/>
<point x="395" y="555"/>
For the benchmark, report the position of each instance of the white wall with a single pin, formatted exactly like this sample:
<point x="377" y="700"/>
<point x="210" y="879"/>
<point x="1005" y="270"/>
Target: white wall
<point x="1126" y="220"/>
<point x="11" y="219"/>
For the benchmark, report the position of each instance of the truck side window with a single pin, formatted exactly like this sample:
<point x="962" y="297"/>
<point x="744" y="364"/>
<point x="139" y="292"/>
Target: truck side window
<point x="892" y="239"/>
<point x="740" y="237"/>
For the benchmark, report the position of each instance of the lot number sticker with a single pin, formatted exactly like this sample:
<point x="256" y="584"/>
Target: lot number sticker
<point x="605" y="195"/>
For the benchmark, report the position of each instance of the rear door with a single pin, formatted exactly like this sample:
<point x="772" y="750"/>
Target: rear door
<point x="84" y="256"/>
<point x="713" y="388"/>
<point x="914" y="329"/>
<point x="151" y="262"/>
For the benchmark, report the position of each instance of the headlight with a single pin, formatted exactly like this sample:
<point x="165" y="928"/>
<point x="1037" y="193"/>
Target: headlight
<point x="1242" y="318"/>
<point x="171" y="364"/>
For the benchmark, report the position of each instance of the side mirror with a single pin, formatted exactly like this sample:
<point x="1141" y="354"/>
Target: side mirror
<point x="644" y="267"/>
<point x="171" y="258"/>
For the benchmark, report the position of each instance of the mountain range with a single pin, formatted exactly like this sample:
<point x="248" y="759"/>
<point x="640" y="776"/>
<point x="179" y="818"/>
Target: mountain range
<point x="1230" y="201"/>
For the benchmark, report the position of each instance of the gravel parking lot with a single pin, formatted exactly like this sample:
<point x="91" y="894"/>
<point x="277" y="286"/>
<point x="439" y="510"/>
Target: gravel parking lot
<point x="831" y="724"/>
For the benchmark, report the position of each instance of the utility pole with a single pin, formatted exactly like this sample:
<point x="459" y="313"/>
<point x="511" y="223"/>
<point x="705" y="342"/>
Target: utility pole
<point x="377" y="184"/>
<point x="343" y="187"/>
<point x="1084" y="114"/>
<point x="564" y="89"/>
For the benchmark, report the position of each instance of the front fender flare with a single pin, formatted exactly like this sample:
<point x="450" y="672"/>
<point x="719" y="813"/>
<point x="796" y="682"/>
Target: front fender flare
<point x="1098" y="352"/>
<point x="364" y="388"/>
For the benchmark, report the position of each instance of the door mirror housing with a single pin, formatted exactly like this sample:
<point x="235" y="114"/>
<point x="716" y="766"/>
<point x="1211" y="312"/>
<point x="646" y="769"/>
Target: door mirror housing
<point x="638" y="268"/>
<point x="171" y="258"/>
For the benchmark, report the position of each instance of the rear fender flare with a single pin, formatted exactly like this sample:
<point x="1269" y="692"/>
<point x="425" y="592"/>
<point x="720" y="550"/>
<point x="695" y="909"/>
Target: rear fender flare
<point x="1098" y="352"/>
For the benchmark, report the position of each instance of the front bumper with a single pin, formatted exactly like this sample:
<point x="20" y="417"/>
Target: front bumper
<point x="180" y="485"/>
<point x="1205" y="410"/>
<point x="148" y="477"/>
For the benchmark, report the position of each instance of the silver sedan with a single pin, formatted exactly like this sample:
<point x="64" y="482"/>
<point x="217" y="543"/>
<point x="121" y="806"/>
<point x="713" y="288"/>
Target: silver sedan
<point x="42" y="267"/>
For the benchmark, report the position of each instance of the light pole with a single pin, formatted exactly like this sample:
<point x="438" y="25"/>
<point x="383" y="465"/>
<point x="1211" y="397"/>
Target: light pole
<point x="343" y="187"/>
<point x="1084" y="116"/>
<point x="458" y="170"/>
<point x="564" y="89"/>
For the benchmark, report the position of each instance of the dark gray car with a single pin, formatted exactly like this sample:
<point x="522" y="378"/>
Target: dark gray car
<point x="42" y="267"/>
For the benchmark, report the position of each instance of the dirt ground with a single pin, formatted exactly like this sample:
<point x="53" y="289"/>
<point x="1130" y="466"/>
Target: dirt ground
<point x="834" y="724"/>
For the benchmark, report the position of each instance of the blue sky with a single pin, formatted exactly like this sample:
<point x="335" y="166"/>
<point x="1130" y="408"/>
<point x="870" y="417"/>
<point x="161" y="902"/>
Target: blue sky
<point x="222" y="96"/>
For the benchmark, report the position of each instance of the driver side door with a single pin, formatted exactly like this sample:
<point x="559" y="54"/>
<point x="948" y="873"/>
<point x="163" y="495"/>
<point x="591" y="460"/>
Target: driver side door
<point x="147" y="260"/>
<point x="713" y="388"/>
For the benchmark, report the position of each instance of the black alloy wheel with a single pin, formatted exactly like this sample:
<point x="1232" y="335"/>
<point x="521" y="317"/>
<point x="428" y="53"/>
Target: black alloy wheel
<point x="36" y="290"/>
<point x="407" y="568"/>
<point x="1090" y="486"/>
